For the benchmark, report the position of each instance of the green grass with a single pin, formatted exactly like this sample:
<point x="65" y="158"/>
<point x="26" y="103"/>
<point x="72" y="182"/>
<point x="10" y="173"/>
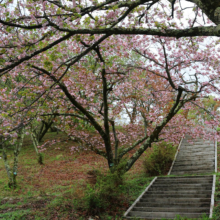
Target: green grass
<point x="15" y="215"/>
<point x="63" y="201"/>
<point x="58" y="200"/>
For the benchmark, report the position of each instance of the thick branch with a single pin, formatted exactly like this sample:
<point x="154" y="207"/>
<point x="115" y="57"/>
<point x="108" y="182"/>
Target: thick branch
<point x="28" y="57"/>
<point x="126" y="150"/>
<point x="66" y="114"/>
<point x="188" y="32"/>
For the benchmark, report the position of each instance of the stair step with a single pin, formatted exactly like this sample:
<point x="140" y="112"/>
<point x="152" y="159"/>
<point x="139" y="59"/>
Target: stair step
<point x="192" y="172"/>
<point x="187" y="178"/>
<point x="177" y="195"/>
<point x="189" y="184"/>
<point x="196" y="151"/>
<point x="199" y="154"/>
<point x="193" y="163"/>
<point x="183" y="192"/>
<point x="184" y="181"/>
<point x="173" y="187"/>
<point x="192" y="168"/>
<point x="179" y="166"/>
<point x="173" y="209"/>
<point x="194" y="158"/>
<point x="179" y="191"/>
<point x="192" y="181"/>
<point x="199" y="171"/>
<point x="175" y="200"/>
<point x="197" y="140"/>
<point x="196" y="145"/>
<point x="172" y="204"/>
<point x="181" y="187"/>
<point x="164" y="214"/>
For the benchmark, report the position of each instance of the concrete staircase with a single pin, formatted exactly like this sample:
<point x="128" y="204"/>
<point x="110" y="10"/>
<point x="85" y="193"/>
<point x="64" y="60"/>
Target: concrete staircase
<point x="186" y="196"/>
<point x="194" y="158"/>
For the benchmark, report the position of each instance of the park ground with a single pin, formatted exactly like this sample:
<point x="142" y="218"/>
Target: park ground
<point x="72" y="186"/>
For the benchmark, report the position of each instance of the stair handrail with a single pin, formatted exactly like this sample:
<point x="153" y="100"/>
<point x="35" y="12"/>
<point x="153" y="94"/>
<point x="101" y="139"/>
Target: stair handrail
<point x="212" y="197"/>
<point x="177" y="151"/>
<point x="139" y="197"/>
<point x="216" y="150"/>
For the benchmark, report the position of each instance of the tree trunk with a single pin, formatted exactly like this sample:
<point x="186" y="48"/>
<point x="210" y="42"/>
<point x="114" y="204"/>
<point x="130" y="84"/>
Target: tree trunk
<point x="12" y="173"/>
<point x="36" y="143"/>
<point x="45" y="130"/>
<point x="17" y="150"/>
<point x="7" y="167"/>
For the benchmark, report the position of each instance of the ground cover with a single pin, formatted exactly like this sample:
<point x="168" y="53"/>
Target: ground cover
<point x="52" y="190"/>
<point x="68" y="185"/>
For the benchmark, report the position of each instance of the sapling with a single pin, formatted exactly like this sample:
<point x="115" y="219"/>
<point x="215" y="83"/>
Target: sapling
<point x="12" y="172"/>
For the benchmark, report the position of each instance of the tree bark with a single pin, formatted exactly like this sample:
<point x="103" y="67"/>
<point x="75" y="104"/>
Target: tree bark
<point x="16" y="153"/>
<point x="47" y="126"/>
<point x="12" y="173"/>
<point x="36" y="144"/>
<point x="7" y="167"/>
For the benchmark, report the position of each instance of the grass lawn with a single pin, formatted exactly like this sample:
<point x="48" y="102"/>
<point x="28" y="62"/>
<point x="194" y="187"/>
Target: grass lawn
<point x="66" y="186"/>
<point x="56" y="189"/>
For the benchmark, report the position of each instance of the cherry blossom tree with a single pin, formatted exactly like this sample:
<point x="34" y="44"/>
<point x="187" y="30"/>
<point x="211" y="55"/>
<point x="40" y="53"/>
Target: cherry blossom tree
<point x="78" y="56"/>
<point x="97" y="88"/>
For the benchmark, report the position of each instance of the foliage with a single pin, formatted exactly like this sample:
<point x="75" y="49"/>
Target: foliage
<point x="216" y="210"/>
<point x="107" y="196"/>
<point x="16" y="215"/>
<point x="203" y="112"/>
<point x="158" y="159"/>
<point x="104" y="194"/>
<point x="40" y="197"/>
<point x="178" y="217"/>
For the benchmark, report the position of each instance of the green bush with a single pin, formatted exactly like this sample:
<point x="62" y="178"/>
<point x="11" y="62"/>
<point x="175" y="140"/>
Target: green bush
<point x="104" y="195"/>
<point x="159" y="158"/>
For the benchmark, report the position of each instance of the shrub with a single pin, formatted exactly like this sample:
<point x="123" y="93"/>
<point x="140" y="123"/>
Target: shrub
<point x="159" y="158"/>
<point x="102" y="195"/>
